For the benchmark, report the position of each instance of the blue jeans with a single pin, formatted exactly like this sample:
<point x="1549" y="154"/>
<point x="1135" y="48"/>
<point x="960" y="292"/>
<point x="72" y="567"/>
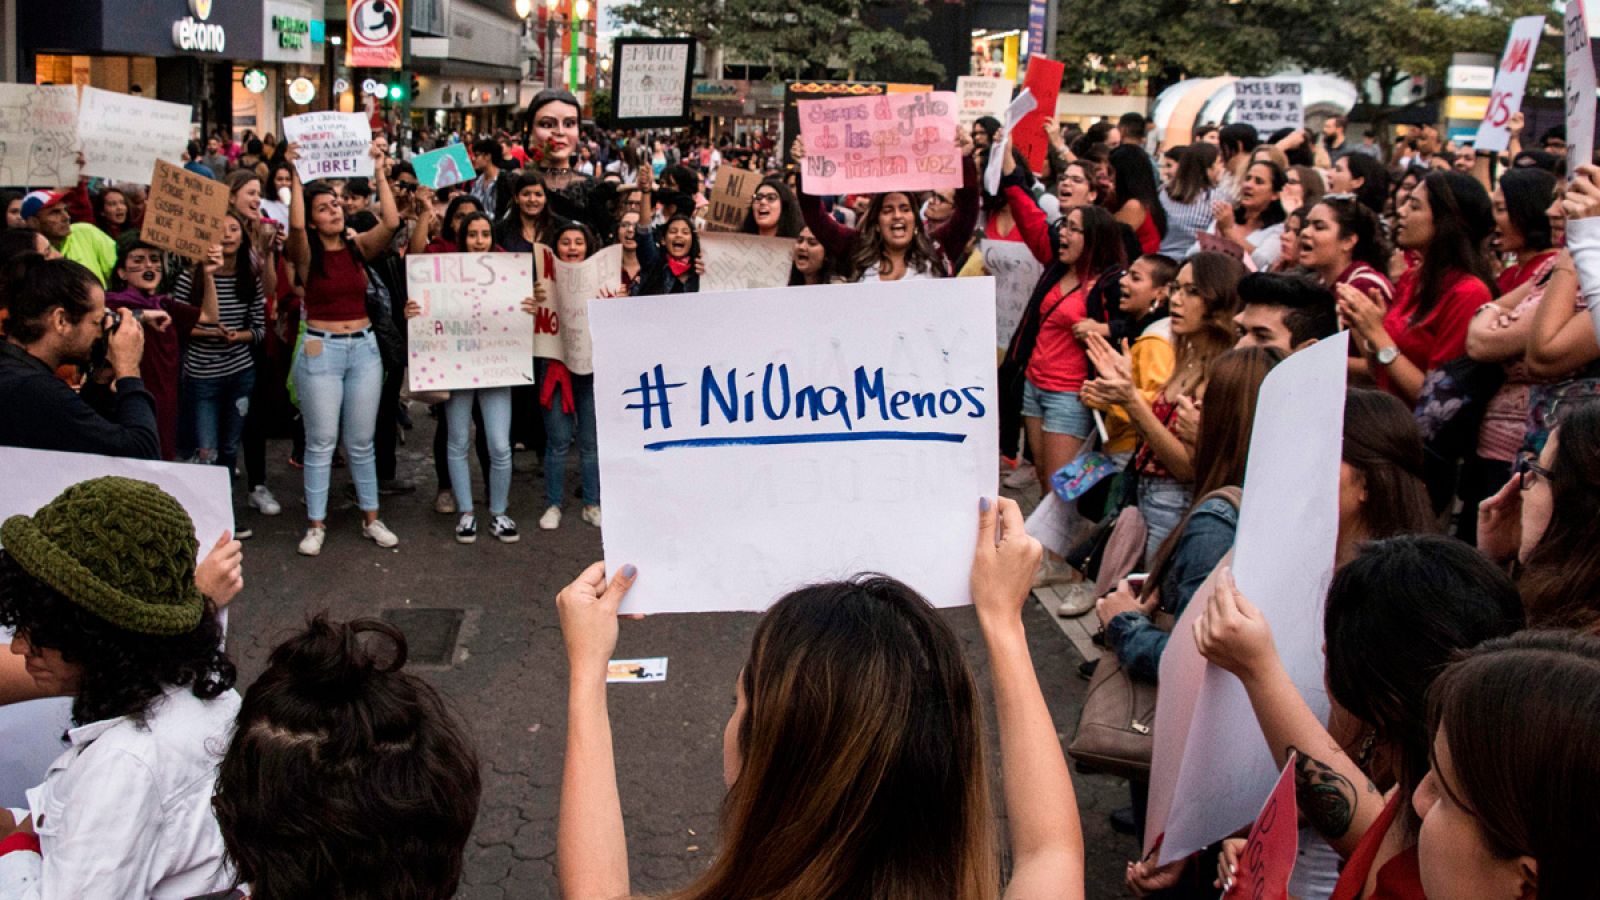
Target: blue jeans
<point x="495" y="404"/>
<point x="560" y="429"/>
<point x="339" y="388"/>
<point x="1162" y="502"/>
<point x="219" y="407"/>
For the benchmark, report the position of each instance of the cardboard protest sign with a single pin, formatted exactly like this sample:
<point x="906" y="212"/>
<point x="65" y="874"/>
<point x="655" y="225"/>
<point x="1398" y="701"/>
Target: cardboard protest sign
<point x="38" y="135"/>
<point x="1580" y="88"/>
<point x="1210" y="758"/>
<point x="546" y="322"/>
<point x="755" y="441"/>
<point x="1268" y="103"/>
<point x="1043" y="80"/>
<point x="185" y="211"/>
<point x="576" y="284"/>
<point x="867" y="145"/>
<point x="743" y="262"/>
<point x="652" y="78"/>
<point x="978" y="96"/>
<point x="473" y="332"/>
<point x="730" y="198"/>
<point x="122" y="136"/>
<point x="1510" y="81"/>
<point x="1269" y="854"/>
<point x="332" y="144"/>
<point x="30" y="733"/>
<point x="443" y="167"/>
<point x="1015" y="273"/>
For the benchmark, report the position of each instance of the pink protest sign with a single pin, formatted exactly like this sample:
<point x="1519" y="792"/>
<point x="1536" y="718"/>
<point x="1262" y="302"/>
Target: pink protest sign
<point x="890" y="142"/>
<point x="1263" y="870"/>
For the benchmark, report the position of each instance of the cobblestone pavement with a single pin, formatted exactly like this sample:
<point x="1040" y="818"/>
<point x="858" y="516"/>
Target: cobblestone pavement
<point x="508" y="677"/>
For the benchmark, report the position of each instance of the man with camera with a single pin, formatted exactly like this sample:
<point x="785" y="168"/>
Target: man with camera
<point x="57" y="317"/>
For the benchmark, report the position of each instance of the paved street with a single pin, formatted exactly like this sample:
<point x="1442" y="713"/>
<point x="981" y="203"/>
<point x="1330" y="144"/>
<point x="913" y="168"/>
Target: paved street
<point x="508" y="675"/>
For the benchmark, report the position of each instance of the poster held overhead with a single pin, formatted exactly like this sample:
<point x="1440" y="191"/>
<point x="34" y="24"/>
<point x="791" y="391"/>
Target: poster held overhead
<point x="1580" y="87"/>
<point x="38" y="135"/>
<point x="730" y="198"/>
<point x="443" y="167"/>
<point x="122" y="136"/>
<point x="978" y="96"/>
<point x="755" y="441"/>
<point x="1210" y="758"/>
<point x="472" y="332"/>
<point x="653" y="78"/>
<point x="743" y="262"/>
<point x="1043" y="80"/>
<point x="1270" y="104"/>
<point x="1510" y="82"/>
<point x="185" y="211"/>
<point x="332" y="144"/>
<point x="868" y="145"/>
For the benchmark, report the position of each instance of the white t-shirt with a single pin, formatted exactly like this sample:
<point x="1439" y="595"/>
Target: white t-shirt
<point x="126" y="811"/>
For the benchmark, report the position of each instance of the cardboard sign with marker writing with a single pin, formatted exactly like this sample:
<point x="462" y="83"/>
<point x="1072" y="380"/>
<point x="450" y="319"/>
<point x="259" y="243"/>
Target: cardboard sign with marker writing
<point x="185" y="211"/>
<point x="1580" y="84"/>
<point x="730" y="198"/>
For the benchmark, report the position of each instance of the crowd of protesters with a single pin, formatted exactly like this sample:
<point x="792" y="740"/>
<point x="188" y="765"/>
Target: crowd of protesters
<point x="1462" y="625"/>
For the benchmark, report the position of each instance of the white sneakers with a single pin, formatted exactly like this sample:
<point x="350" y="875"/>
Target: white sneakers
<point x="1021" y="477"/>
<point x="311" y="544"/>
<point x="551" y="520"/>
<point x="379" y="534"/>
<point x="591" y="514"/>
<point x="262" y="500"/>
<point x="376" y="531"/>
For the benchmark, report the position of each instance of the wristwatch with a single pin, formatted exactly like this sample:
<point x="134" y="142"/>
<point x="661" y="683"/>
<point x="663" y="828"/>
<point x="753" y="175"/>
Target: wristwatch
<point x="1387" y="355"/>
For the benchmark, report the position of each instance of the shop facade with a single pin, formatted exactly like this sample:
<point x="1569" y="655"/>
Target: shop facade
<point x="468" y="81"/>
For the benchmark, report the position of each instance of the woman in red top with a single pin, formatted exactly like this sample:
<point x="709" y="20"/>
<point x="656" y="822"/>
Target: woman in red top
<point x="1136" y="197"/>
<point x="1387" y="636"/>
<point x="1055" y="422"/>
<point x="338" y="371"/>
<point x="1446" y="220"/>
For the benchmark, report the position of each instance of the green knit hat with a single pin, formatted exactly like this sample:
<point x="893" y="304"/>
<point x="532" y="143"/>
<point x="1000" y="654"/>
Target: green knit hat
<point x="121" y="549"/>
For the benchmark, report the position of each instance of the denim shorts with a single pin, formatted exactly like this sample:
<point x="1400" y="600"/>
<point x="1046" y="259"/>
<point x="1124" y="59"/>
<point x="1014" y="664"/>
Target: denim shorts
<point x="1061" y="411"/>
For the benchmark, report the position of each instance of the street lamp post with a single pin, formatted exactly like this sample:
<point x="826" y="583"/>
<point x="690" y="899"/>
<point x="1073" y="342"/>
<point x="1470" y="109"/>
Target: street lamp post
<point x="550" y="41"/>
<point x="580" y="11"/>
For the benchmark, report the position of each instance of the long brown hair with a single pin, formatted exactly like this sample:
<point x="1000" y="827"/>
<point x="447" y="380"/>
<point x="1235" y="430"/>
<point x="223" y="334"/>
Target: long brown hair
<point x="862" y="771"/>
<point x="1223" y="445"/>
<point x="1216" y="278"/>
<point x="922" y="254"/>
<point x="1383" y="444"/>
<point x="1563" y="569"/>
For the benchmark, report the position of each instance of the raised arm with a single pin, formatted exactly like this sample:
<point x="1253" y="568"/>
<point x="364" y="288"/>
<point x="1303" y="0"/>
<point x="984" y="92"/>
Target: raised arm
<point x="1336" y="797"/>
<point x="952" y="236"/>
<point x="1046" y="834"/>
<point x="591" y="846"/>
<point x="838" y="240"/>
<point x="425" y="213"/>
<point x="297" y="246"/>
<point x="375" y="242"/>
<point x="1031" y="221"/>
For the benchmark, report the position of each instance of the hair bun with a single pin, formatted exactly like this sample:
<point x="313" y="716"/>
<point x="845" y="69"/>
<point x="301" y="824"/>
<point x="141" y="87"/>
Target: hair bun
<point x="335" y="656"/>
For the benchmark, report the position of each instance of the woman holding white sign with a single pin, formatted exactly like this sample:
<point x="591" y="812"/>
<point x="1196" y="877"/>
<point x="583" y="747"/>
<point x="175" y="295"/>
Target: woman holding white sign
<point x="338" y="370"/>
<point x="477" y="236"/>
<point x="568" y="401"/>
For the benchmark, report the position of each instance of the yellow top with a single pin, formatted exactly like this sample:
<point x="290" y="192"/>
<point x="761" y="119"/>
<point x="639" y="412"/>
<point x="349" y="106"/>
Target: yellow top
<point x="1153" y="359"/>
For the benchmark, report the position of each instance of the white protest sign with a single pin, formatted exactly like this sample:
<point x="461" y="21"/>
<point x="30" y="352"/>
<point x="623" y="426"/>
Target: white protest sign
<point x="332" y="144"/>
<point x="576" y="284"/>
<point x="1510" y="81"/>
<point x="1580" y="84"/>
<point x="1015" y="272"/>
<point x="742" y="262"/>
<point x="652" y="79"/>
<point x="122" y="136"/>
<point x="472" y="331"/>
<point x="978" y="96"/>
<point x="38" y="135"/>
<point x="30" y="732"/>
<point x="755" y="441"/>
<point x="1024" y="103"/>
<point x="1268" y="103"/>
<point x="1211" y="765"/>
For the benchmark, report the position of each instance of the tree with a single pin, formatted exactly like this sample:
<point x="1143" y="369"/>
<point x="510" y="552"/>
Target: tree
<point x="859" y="39"/>
<point x="699" y="19"/>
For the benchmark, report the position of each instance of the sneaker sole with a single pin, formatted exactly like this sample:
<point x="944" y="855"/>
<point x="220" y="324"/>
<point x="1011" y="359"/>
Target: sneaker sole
<point x="508" y="539"/>
<point x="466" y="539"/>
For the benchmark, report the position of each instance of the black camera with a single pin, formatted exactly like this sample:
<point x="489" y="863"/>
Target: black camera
<point x="111" y="321"/>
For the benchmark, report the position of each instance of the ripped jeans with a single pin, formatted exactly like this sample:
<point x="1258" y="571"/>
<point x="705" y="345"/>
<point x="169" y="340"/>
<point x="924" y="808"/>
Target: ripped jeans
<point x="219" y="406"/>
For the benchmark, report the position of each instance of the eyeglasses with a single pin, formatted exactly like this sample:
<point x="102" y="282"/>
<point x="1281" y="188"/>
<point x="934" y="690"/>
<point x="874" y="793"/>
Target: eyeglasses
<point x="1529" y="472"/>
<point x="767" y="197"/>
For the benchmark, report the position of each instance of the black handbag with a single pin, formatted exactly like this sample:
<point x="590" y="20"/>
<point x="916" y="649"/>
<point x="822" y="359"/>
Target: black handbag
<point x="380" y="311"/>
<point x="1449" y="409"/>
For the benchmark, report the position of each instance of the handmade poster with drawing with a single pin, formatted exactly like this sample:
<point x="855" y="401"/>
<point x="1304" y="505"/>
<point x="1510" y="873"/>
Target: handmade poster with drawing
<point x="38" y="135"/>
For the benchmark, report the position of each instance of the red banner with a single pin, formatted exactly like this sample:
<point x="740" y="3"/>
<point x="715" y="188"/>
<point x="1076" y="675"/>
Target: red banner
<point x="1263" y="869"/>
<point x="372" y="34"/>
<point x="1043" y="80"/>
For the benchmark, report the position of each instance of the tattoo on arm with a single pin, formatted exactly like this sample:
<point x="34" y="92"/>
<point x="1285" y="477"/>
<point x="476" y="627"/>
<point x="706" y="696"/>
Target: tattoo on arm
<point x="1327" y="799"/>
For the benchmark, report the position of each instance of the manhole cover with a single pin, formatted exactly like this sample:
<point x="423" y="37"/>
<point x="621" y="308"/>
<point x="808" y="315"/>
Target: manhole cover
<point x="431" y="634"/>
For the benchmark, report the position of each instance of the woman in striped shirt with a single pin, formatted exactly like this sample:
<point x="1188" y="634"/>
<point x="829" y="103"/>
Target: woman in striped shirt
<point x="219" y="369"/>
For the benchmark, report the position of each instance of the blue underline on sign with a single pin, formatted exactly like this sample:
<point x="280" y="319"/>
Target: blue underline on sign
<point x="833" y="437"/>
